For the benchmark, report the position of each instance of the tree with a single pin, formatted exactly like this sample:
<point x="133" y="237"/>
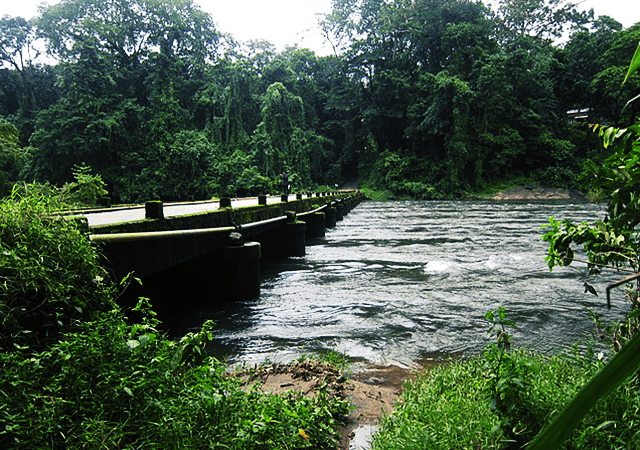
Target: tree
<point x="17" y="50"/>
<point x="130" y="74"/>
<point x="279" y="141"/>
<point x="132" y="30"/>
<point x="12" y="157"/>
<point x="537" y="18"/>
<point x="581" y="60"/>
<point x="93" y="123"/>
<point x="610" y="95"/>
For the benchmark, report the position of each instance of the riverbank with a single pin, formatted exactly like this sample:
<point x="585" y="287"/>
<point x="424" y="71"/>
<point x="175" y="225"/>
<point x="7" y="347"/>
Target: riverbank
<point x="537" y="192"/>
<point x="371" y="389"/>
<point x="448" y="401"/>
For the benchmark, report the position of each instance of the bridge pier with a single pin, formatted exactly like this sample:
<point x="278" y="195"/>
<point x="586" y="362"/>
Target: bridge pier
<point x="339" y="211"/>
<point x="287" y="240"/>
<point x="330" y="217"/>
<point x="239" y="277"/>
<point x="315" y="224"/>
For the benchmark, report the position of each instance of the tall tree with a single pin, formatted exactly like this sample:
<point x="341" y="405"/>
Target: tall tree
<point x="537" y="18"/>
<point x="12" y="157"/>
<point x="17" y="51"/>
<point x="131" y="70"/>
<point x="280" y="141"/>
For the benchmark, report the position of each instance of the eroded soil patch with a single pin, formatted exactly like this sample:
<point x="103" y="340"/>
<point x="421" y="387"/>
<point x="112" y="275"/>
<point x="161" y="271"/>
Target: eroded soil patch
<point x="371" y="389"/>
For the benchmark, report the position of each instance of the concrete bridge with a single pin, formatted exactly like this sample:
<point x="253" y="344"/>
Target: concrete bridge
<point x="210" y="251"/>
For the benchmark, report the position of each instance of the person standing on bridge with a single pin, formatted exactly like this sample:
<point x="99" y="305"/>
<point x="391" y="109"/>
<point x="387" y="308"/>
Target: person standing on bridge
<point x="284" y="177"/>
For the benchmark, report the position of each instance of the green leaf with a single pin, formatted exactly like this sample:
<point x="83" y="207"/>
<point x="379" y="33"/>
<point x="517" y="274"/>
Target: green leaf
<point x="635" y="64"/>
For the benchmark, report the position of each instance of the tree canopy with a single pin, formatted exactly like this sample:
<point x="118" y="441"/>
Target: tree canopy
<point x="423" y="98"/>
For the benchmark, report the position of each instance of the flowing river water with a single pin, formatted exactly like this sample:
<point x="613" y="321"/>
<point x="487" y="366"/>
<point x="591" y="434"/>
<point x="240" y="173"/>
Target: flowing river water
<point x="397" y="281"/>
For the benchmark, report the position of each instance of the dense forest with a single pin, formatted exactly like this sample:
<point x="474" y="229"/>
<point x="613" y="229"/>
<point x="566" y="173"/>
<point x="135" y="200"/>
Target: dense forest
<point x="422" y="98"/>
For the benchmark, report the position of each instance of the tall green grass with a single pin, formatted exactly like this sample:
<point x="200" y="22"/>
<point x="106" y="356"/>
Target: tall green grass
<point x="450" y="406"/>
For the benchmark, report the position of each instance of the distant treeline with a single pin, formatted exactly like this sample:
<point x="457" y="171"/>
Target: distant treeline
<point x="423" y="98"/>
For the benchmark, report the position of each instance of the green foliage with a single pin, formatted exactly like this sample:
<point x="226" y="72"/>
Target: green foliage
<point x="52" y="279"/>
<point x="12" y="157"/>
<point x="87" y="190"/>
<point x="113" y="385"/>
<point x="622" y="367"/>
<point x="444" y="408"/>
<point x="510" y="399"/>
<point x="399" y="176"/>
<point x="503" y="397"/>
<point x="236" y="175"/>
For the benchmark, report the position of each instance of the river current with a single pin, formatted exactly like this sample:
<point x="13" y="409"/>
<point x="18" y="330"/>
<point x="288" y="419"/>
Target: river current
<point x="396" y="281"/>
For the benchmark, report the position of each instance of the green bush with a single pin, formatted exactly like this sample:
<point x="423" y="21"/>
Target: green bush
<point x="111" y="385"/>
<point x="51" y="275"/>
<point x="87" y="190"/>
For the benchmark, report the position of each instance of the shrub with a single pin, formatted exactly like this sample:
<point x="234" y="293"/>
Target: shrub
<point x="51" y="275"/>
<point x="87" y="190"/>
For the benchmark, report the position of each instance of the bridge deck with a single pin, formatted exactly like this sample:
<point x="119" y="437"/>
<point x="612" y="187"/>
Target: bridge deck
<point x="133" y="213"/>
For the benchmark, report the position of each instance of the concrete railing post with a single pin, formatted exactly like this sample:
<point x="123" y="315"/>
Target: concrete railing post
<point x="153" y="210"/>
<point x="225" y="202"/>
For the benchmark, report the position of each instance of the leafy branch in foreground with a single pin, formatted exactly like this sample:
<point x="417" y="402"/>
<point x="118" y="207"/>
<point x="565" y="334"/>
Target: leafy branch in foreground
<point x="619" y="177"/>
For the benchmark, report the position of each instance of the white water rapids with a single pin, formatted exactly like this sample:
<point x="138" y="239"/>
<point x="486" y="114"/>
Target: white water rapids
<point x="395" y="281"/>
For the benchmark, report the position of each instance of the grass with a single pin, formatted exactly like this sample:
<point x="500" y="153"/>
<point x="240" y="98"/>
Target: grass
<point x="376" y="195"/>
<point x="441" y="409"/>
<point x="450" y="406"/>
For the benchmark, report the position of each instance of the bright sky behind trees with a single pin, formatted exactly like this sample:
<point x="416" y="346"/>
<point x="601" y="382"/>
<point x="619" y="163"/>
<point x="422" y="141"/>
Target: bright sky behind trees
<point x="288" y="22"/>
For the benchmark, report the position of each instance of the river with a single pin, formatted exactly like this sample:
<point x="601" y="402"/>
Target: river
<point x="397" y="281"/>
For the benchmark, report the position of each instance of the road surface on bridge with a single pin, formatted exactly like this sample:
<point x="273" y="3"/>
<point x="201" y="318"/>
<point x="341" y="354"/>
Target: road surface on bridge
<point x="133" y="213"/>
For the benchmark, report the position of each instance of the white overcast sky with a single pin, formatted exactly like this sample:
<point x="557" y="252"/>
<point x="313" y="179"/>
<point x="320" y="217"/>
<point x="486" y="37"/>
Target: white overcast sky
<point x="289" y="22"/>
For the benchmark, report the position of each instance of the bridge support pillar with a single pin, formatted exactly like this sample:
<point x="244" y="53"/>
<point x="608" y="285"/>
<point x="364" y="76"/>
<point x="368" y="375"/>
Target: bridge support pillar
<point x="315" y="224"/>
<point x="293" y="239"/>
<point x="330" y="214"/>
<point x="240" y="277"/>
<point x="339" y="211"/>
<point x="287" y="240"/>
